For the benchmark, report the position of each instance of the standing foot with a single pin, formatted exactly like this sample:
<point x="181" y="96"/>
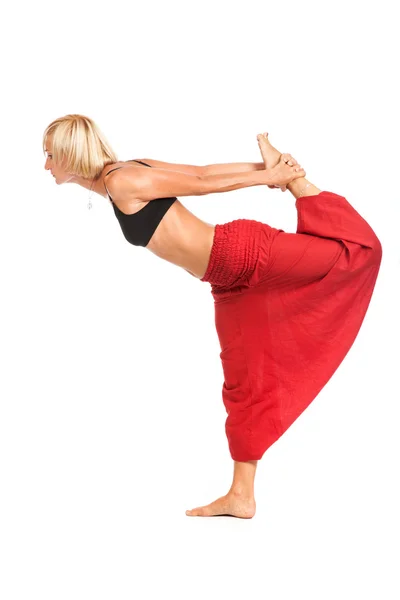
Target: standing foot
<point x="231" y="505"/>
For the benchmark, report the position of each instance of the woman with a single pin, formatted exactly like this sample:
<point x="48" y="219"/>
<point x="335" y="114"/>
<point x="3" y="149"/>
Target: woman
<point x="288" y="306"/>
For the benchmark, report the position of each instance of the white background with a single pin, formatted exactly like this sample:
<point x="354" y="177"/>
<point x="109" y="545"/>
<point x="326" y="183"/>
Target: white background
<point x="111" y="415"/>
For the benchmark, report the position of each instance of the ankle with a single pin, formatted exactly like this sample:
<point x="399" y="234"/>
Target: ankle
<point x="239" y="490"/>
<point x="297" y="186"/>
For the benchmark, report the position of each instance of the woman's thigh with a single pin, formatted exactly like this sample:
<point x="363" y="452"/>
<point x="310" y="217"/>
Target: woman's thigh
<point x="294" y="259"/>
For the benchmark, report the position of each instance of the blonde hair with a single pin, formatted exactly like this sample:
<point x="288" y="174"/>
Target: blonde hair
<point x="79" y="140"/>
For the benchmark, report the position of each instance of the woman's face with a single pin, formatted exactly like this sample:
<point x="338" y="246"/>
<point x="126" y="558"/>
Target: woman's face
<point x="58" y="172"/>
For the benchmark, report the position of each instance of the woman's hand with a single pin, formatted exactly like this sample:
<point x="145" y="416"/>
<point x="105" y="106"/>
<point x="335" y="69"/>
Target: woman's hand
<point x="292" y="162"/>
<point x="286" y="171"/>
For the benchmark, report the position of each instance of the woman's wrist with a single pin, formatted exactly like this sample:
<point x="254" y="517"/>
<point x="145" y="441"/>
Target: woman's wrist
<point x="268" y="176"/>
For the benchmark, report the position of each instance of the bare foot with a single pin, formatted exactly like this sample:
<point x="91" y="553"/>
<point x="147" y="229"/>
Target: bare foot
<point x="231" y="505"/>
<point x="271" y="155"/>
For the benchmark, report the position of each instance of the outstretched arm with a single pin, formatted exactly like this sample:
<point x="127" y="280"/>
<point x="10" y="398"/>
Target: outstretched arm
<point x="206" y="170"/>
<point x="143" y="184"/>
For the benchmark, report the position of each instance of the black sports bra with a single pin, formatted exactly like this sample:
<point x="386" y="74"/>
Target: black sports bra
<point x="139" y="227"/>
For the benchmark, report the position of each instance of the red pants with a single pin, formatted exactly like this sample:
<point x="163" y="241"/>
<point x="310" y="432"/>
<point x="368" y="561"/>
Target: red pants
<point x="288" y="307"/>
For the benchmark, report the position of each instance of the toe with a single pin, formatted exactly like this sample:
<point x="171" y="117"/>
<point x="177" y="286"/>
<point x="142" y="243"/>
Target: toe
<point x="196" y="512"/>
<point x="262" y="137"/>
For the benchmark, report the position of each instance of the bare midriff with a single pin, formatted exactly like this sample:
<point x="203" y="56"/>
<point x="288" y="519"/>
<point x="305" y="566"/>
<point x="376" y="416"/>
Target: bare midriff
<point x="182" y="239"/>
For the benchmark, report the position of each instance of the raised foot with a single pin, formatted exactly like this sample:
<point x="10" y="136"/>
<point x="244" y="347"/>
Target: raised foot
<point x="231" y="505"/>
<point x="270" y="154"/>
<point x="272" y="157"/>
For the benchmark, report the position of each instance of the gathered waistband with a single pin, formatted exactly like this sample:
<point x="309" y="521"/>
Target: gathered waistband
<point x="234" y="254"/>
